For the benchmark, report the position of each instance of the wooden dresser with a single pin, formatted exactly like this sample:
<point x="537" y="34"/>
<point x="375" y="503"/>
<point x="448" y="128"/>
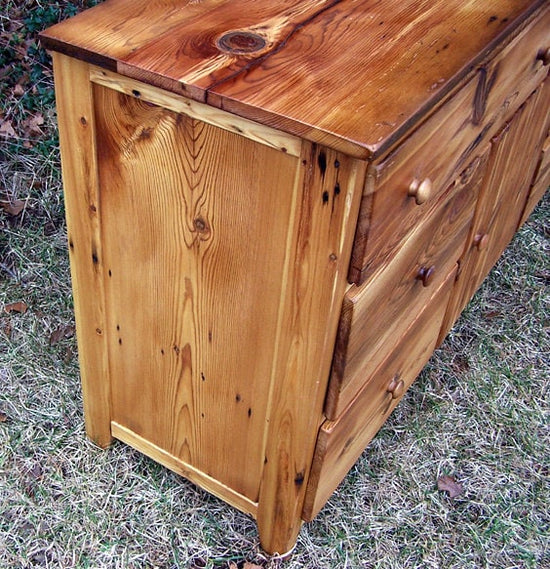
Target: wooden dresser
<point x="277" y="210"/>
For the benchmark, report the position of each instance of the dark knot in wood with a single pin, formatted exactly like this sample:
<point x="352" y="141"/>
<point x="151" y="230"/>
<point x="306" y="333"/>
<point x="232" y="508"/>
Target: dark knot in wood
<point x="241" y="42"/>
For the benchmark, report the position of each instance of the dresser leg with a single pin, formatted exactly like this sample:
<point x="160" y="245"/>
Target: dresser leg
<point x="82" y="205"/>
<point x="278" y="534"/>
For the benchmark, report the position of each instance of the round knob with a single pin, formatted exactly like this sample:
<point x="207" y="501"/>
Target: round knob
<point x="421" y="190"/>
<point x="481" y="241"/>
<point x="544" y="56"/>
<point x="396" y="387"/>
<point x="426" y="274"/>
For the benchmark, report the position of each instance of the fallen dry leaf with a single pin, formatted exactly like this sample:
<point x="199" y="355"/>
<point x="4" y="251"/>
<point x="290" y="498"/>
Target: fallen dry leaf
<point x="249" y="565"/>
<point x="33" y="475"/>
<point x="13" y="208"/>
<point x="461" y="363"/>
<point x="491" y="314"/>
<point x="60" y="333"/>
<point x="21" y="49"/>
<point x="33" y="123"/>
<point x="36" y="471"/>
<point x="3" y="417"/>
<point x="69" y="354"/>
<point x="6" y="128"/>
<point x="449" y="484"/>
<point x="18" y="90"/>
<point x="20" y="307"/>
<point x="7" y="328"/>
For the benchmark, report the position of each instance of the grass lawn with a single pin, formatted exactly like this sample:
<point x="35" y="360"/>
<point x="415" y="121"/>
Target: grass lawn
<point x="479" y="412"/>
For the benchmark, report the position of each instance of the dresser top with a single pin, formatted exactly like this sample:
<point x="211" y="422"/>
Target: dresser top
<point x="355" y="75"/>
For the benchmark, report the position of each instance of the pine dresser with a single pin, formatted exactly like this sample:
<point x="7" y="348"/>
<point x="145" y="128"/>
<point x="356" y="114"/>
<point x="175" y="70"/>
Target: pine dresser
<point x="277" y="210"/>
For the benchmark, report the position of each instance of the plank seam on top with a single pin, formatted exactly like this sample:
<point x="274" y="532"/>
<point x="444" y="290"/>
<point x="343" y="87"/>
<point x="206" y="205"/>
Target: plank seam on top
<point x="261" y="58"/>
<point x="214" y="92"/>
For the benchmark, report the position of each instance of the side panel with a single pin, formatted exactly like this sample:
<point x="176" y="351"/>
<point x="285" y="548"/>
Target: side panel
<point x="212" y="269"/>
<point x="195" y="221"/>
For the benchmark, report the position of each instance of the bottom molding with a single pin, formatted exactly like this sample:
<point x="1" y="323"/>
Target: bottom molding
<point x="180" y="467"/>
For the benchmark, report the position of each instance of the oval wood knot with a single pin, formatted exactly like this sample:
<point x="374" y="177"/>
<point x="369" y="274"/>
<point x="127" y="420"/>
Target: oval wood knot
<point x="421" y="190"/>
<point x="426" y="274"/>
<point x="241" y="42"/>
<point x="396" y="387"/>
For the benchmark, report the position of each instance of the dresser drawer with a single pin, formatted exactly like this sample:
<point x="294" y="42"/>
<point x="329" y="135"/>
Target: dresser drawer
<point x="375" y="315"/>
<point x="341" y="442"/>
<point x="506" y="197"/>
<point x="541" y="180"/>
<point x="402" y="187"/>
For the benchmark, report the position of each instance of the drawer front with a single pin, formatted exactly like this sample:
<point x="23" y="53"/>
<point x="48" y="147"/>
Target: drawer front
<point x="401" y="189"/>
<point x="375" y="315"/>
<point x="341" y="442"/>
<point x="541" y="180"/>
<point x="541" y="183"/>
<point x="507" y="195"/>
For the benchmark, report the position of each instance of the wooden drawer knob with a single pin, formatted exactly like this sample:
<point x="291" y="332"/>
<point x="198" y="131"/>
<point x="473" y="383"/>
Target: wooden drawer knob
<point x="481" y="241"/>
<point x="426" y="274"/>
<point x="396" y="387"/>
<point x="421" y="190"/>
<point x="544" y="56"/>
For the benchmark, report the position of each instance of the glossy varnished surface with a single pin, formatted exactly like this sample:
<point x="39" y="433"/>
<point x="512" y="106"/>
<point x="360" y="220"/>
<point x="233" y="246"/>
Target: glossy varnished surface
<point x="329" y="71"/>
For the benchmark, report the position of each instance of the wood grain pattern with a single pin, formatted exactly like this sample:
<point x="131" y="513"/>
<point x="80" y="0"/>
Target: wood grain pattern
<point x="200" y="64"/>
<point x="190" y="213"/>
<point x="541" y="181"/>
<point x="442" y="147"/>
<point x="426" y="46"/>
<point x="174" y="44"/>
<point x="508" y="185"/>
<point x="295" y="84"/>
<point x="314" y="281"/>
<point x="238" y="255"/>
<point x="341" y="442"/>
<point x="216" y="117"/>
<point x="375" y="316"/>
<point x="83" y="210"/>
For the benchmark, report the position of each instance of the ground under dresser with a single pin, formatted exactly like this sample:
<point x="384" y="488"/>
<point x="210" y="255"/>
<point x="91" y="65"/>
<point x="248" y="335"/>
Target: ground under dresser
<point x="277" y="210"/>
